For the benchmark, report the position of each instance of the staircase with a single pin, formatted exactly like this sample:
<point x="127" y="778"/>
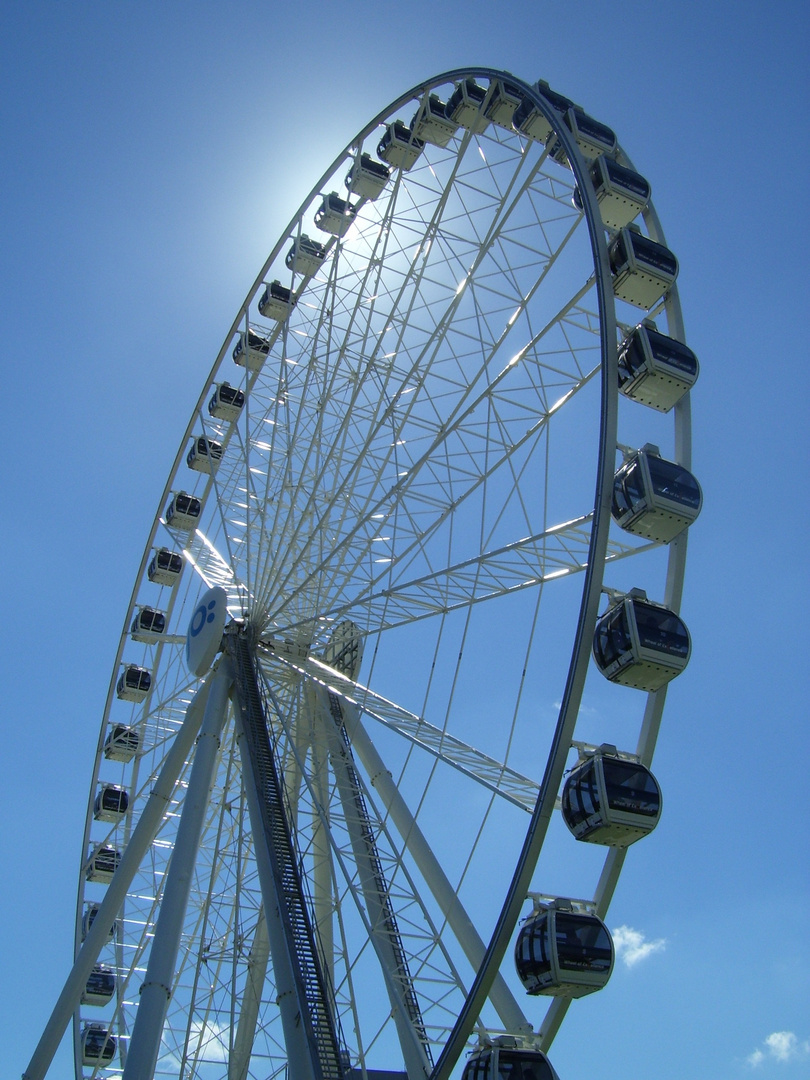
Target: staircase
<point x="311" y="989"/>
<point x="389" y="927"/>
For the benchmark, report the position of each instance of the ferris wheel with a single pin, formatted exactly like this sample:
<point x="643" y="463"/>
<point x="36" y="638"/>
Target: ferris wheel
<point x="440" y="461"/>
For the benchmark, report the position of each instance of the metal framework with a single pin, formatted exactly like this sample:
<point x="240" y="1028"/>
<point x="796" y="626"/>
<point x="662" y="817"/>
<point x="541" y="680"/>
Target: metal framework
<point x="419" y="478"/>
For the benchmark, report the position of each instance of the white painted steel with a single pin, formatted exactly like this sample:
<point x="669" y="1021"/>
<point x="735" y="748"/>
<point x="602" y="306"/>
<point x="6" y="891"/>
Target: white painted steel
<point x="144" y="833"/>
<point x="155" y="990"/>
<point x="385" y="936"/>
<point x="426" y="449"/>
<point x="461" y="925"/>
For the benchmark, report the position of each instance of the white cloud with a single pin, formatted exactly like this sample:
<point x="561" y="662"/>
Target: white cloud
<point x="584" y="710"/>
<point x="211" y="1040"/>
<point x="631" y="945"/>
<point x="780" y="1046"/>
<point x="208" y="1040"/>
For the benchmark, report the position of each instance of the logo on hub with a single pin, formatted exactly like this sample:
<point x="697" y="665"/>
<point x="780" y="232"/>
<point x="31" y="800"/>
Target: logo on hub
<point x="204" y="637"/>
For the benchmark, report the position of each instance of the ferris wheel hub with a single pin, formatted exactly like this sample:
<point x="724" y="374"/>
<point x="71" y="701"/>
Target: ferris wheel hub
<point x="204" y="637"/>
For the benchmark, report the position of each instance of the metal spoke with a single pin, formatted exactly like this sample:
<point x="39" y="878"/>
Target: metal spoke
<point x="491" y="774"/>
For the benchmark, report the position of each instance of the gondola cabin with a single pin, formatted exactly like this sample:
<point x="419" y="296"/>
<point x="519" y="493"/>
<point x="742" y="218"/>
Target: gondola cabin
<point x="592" y="137"/>
<point x="505" y="98"/>
<point x="335" y="215"/>
<point x="102" y="864"/>
<point x="610" y="800"/>
<point x="111" y="803"/>
<point x="305" y="256"/>
<point x="183" y="511"/>
<point x="653" y="497"/>
<point x="98" y="1045"/>
<point x="399" y="147"/>
<point x="563" y="953"/>
<point x="165" y="567"/>
<point x="508" y="1062"/>
<point x="251" y="350"/>
<point x="148" y="626"/>
<point x="530" y="121"/>
<point x="464" y="106"/>
<point x="276" y="302"/>
<point x="121" y="744"/>
<point x="204" y="455"/>
<point x="367" y="178"/>
<point x="89" y="917"/>
<point x="654" y="369"/>
<point x="621" y="193"/>
<point x="100" y="986"/>
<point x="642" y="269"/>
<point x="133" y="683"/>
<point x="430" y="122"/>
<point x="227" y="402"/>
<point x="641" y="644"/>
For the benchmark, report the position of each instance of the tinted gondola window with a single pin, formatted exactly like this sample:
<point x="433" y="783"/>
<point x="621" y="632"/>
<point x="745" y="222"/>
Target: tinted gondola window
<point x="631" y="788"/>
<point x="533" y="953"/>
<point x="655" y="255"/>
<point x="165" y="567"/>
<point x="187" y="504"/>
<point x="559" y="101"/>
<point x="137" y="678"/>
<point x="580" y="798"/>
<point x="469" y="89"/>
<point x="123" y="736"/>
<point x="231" y="396"/>
<point x="583" y="943"/>
<point x="150" y="621"/>
<point x="100" y="982"/>
<point x="523" y="1065"/>
<point x="618" y="253"/>
<point x="631" y="358"/>
<point x="111" y="800"/>
<point x="98" y="1045"/>
<point x="477" y="1068"/>
<point x="628" y="490"/>
<point x="612" y="638"/>
<point x="673" y="482"/>
<point x="626" y="178"/>
<point x="511" y="1064"/>
<point x="660" y="630"/>
<point x="669" y="351"/>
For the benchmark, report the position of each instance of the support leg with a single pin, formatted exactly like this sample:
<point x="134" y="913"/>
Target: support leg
<point x="156" y="989"/>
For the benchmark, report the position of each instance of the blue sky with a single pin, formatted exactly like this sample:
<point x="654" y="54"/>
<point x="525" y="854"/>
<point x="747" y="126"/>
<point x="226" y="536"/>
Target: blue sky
<point x="151" y="156"/>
